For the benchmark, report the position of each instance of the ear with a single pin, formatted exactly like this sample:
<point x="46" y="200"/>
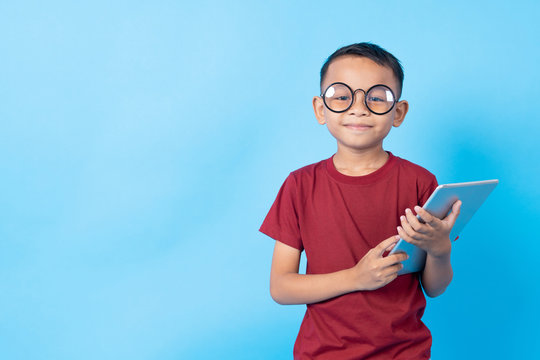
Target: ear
<point x="318" y="108"/>
<point x="401" y="110"/>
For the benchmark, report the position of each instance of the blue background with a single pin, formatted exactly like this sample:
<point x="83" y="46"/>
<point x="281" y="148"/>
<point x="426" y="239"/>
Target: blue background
<point x="142" y="144"/>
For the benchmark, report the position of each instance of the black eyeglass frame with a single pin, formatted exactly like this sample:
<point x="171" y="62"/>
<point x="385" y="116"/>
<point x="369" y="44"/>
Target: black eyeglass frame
<point x="354" y="96"/>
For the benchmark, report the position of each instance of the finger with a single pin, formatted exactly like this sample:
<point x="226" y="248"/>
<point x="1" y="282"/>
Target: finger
<point x="383" y="245"/>
<point x="408" y="228"/>
<point x="413" y="221"/>
<point x="393" y="259"/>
<point x="394" y="269"/>
<point x="406" y="236"/>
<point x="391" y="247"/>
<point x="456" y="209"/>
<point x="426" y="217"/>
<point x="393" y="273"/>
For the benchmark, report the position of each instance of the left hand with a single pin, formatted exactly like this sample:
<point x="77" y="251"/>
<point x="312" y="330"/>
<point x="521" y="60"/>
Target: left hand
<point x="434" y="236"/>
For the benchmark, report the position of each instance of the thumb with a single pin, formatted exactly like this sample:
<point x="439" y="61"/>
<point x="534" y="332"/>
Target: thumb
<point x="456" y="208"/>
<point x="385" y="244"/>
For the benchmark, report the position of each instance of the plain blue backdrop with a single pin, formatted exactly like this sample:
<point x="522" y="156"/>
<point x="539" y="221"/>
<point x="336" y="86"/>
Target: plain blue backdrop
<point x="143" y="142"/>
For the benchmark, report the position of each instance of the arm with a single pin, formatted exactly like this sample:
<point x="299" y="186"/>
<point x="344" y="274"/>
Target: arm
<point x="437" y="274"/>
<point x="372" y="272"/>
<point x="432" y="237"/>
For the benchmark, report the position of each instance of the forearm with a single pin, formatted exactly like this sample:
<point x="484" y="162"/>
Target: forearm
<point x="293" y="288"/>
<point x="437" y="274"/>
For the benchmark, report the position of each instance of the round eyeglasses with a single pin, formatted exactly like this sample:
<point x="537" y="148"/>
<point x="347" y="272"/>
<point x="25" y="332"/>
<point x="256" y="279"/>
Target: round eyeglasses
<point x="339" y="97"/>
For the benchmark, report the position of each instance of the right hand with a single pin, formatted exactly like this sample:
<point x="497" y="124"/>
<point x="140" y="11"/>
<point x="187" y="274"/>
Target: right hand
<point x="374" y="271"/>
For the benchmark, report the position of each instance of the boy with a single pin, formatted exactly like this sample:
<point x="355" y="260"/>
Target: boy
<point x="347" y="212"/>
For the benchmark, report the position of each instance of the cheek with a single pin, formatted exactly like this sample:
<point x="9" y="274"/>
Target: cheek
<point x="332" y="128"/>
<point x="330" y="118"/>
<point x="384" y="129"/>
<point x="388" y="123"/>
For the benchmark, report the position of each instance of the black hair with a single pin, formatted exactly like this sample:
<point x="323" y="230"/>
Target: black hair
<point x="372" y="52"/>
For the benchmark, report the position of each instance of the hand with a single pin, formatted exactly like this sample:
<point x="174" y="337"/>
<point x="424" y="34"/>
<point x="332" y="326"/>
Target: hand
<point x="434" y="235"/>
<point x="374" y="271"/>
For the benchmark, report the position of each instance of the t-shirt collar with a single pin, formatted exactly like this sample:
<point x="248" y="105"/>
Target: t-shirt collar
<point x="359" y="180"/>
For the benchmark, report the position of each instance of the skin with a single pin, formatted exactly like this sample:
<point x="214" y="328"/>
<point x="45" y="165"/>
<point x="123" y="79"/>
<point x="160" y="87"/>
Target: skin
<point x="360" y="134"/>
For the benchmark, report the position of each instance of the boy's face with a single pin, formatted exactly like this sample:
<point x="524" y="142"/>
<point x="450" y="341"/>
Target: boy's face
<point x="358" y="129"/>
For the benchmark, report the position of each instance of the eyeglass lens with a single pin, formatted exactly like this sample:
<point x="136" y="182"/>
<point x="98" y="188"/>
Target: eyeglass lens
<point x="339" y="97"/>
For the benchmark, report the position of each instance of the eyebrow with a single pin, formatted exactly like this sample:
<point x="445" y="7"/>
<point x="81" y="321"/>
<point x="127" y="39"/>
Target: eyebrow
<point x="352" y="87"/>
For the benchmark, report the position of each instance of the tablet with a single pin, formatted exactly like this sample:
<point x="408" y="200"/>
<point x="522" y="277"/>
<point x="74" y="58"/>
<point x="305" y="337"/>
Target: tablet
<point x="439" y="204"/>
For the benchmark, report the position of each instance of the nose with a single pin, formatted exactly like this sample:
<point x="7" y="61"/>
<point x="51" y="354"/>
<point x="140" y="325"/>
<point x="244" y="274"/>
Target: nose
<point x="358" y="106"/>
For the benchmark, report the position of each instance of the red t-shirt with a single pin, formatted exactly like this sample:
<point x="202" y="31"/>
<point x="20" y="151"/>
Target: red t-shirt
<point x="337" y="219"/>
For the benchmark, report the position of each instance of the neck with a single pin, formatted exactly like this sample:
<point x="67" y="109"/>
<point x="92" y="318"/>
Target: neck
<point x="359" y="163"/>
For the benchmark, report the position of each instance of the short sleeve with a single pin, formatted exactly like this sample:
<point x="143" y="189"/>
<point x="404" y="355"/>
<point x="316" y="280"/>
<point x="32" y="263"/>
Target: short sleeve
<point x="281" y="222"/>
<point x="426" y="189"/>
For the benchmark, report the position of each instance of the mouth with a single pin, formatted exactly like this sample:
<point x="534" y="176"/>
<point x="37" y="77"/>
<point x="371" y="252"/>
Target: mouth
<point x="358" y="127"/>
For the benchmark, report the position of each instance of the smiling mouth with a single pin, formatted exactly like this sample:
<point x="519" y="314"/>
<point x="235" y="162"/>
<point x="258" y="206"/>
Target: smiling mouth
<point x="358" y="126"/>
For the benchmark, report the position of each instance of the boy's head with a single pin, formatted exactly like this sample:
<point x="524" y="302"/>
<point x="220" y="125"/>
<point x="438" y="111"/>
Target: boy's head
<point x="359" y="103"/>
<point x="371" y="51"/>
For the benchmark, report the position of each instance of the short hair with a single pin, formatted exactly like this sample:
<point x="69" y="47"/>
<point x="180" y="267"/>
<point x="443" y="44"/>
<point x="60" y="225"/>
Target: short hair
<point x="372" y="52"/>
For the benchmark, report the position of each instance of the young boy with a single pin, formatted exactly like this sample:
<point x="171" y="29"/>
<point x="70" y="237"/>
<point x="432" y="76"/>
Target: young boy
<point x="347" y="212"/>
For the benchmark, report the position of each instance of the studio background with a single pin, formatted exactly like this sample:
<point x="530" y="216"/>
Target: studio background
<point x="142" y="144"/>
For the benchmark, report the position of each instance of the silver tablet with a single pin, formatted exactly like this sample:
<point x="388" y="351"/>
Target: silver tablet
<point x="439" y="204"/>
